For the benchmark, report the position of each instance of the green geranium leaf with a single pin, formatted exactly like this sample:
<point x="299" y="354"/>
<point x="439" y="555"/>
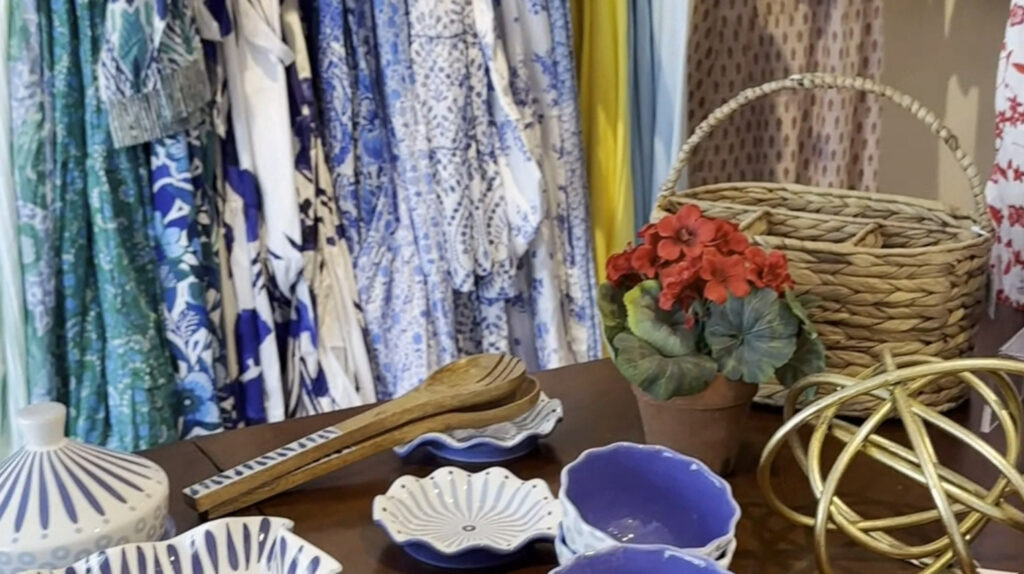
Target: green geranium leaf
<point x="800" y="311"/>
<point x="751" y="337"/>
<point x="612" y="310"/>
<point x="660" y="376"/>
<point x="664" y="330"/>
<point x="808" y="359"/>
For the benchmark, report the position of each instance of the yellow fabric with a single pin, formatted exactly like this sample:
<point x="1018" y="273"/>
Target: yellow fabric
<point x="600" y="29"/>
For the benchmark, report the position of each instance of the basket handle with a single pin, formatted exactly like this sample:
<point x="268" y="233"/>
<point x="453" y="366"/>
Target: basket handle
<point x="823" y="80"/>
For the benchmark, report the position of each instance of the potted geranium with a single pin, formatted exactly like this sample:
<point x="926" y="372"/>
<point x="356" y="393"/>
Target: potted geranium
<point x="696" y="318"/>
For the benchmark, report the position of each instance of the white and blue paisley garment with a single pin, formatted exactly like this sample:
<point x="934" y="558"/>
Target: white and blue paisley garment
<point x="390" y="213"/>
<point x="556" y="297"/>
<point x="459" y="180"/>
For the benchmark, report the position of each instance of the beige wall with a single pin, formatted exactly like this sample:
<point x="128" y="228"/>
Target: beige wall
<point x="944" y="53"/>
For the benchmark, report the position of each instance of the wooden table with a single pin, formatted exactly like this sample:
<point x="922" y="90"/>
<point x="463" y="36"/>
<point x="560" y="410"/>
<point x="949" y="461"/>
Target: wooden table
<point x="334" y="512"/>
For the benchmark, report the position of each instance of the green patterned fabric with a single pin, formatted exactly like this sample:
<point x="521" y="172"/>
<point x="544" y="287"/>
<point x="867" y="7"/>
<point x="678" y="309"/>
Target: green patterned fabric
<point x="152" y="75"/>
<point x="94" y="337"/>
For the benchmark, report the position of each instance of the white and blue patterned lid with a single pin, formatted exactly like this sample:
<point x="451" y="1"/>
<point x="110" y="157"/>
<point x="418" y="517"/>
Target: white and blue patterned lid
<point x="56" y="491"/>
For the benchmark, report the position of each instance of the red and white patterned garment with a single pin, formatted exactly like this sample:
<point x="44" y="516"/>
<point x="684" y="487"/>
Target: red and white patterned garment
<point x="1005" y="190"/>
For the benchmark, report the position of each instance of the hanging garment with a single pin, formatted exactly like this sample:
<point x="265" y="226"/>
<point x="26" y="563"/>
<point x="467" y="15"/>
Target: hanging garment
<point x="190" y="277"/>
<point x="94" y="336"/>
<point x="1005" y="189"/>
<point x="657" y="96"/>
<point x="148" y="54"/>
<point x="397" y="137"/>
<point x="327" y="262"/>
<point x="825" y="138"/>
<point x="601" y="28"/>
<point x="13" y="385"/>
<point x="390" y="215"/>
<point x="249" y="325"/>
<point x="263" y="56"/>
<point x="553" y="320"/>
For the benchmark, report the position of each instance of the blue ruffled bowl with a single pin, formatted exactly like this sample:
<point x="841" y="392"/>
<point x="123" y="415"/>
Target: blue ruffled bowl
<point x="639" y="560"/>
<point x="627" y="493"/>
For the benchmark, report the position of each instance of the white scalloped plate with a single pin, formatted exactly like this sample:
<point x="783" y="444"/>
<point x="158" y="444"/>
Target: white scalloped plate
<point x="458" y="519"/>
<point x="494" y="443"/>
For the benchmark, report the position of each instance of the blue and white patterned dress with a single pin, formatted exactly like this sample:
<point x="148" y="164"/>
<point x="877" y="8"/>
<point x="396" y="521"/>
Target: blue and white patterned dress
<point x="251" y="329"/>
<point x="453" y="140"/>
<point x="344" y="360"/>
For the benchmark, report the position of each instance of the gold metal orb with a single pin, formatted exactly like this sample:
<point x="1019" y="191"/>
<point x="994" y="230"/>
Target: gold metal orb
<point x="962" y="506"/>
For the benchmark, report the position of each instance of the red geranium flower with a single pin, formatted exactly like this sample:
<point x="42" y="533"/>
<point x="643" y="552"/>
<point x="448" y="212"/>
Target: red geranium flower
<point x="618" y="267"/>
<point x="685" y="232"/>
<point x="645" y="261"/>
<point x="677" y="282"/>
<point x="776" y="271"/>
<point x="649" y="234"/>
<point x="724" y="274"/>
<point x="756" y="258"/>
<point x="728" y="238"/>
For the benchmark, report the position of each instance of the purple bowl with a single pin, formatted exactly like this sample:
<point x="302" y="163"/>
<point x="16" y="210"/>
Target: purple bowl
<point x="643" y="494"/>
<point x="639" y="560"/>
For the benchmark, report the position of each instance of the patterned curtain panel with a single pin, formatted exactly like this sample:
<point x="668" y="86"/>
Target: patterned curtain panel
<point x="817" y="138"/>
<point x="1005" y="191"/>
<point x="13" y="384"/>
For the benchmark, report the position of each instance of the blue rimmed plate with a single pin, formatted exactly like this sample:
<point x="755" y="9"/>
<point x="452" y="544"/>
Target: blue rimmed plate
<point x="495" y="443"/>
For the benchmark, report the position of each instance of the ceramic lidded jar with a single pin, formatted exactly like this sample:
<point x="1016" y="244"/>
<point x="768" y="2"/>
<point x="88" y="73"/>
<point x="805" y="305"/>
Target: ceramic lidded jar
<point x="61" y="500"/>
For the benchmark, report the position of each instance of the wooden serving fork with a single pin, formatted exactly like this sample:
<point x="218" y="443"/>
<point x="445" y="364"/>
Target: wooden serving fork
<point x="525" y="397"/>
<point x="465" y="383"/>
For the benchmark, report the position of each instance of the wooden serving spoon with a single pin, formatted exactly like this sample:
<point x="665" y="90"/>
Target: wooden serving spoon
<point x="524" y="399"/>
<point x="470" y="381"/>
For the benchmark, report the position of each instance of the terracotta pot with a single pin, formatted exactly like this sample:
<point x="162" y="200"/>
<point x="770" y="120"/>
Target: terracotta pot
<point x="707" y="426"/>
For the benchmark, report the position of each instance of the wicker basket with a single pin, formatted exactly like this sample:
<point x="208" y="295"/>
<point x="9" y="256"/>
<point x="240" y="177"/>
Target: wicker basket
<point x="890" y="272"/>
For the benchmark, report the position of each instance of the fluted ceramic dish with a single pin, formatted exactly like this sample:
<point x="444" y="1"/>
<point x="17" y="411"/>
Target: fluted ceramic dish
<point x="457" y="519"/>
<point x="646" y="495"/>
<point x="250" y="545"/>
<point x="495" y="443"/>
<point x="61" y="500"/>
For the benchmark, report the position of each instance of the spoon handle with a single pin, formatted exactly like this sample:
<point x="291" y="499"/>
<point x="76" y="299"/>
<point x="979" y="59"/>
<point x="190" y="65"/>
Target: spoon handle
<point x="459" y="385"/>
<point x="529" y="394"/>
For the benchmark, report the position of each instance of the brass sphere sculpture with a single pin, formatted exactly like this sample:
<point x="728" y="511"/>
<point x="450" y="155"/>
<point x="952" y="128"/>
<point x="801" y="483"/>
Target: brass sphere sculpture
<point x="961" y="506"/>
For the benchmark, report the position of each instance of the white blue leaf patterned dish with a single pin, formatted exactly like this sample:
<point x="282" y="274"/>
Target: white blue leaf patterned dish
<point x="566" y="554"/>
<point x="457" y="519"/>
<point x="61" y="500"/>
<point x="250" y="545"/>
<point x="629" y="559"/>
<point x="495" y="443"/>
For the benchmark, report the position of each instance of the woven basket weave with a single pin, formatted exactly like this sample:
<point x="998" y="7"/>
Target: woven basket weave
<point x="890" y="272"/>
